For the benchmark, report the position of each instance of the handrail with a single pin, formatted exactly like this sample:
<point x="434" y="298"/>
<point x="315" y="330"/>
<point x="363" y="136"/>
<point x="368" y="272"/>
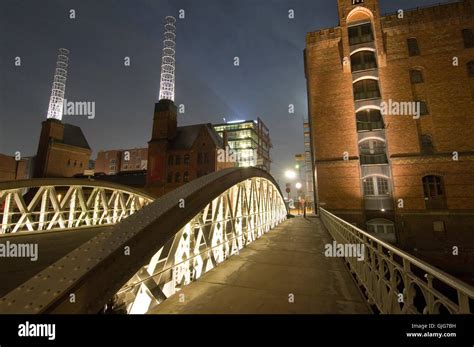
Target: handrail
<point x="368" y="274"/>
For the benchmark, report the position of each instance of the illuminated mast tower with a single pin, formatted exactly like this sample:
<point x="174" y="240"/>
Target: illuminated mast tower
<point x="168" y="60"/>
<point x="56" y="101"/>
<point x="165" y="115"/>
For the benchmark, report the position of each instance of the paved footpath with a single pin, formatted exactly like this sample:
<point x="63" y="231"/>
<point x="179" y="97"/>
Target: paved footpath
<point x="287" y="262"/>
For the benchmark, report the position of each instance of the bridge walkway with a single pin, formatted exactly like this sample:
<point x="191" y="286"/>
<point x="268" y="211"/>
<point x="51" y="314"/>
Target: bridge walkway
<point x="286" y="263"/>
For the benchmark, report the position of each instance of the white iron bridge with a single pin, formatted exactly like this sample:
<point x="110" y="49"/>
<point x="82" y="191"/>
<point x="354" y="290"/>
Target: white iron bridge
<point x="106" y="245"/>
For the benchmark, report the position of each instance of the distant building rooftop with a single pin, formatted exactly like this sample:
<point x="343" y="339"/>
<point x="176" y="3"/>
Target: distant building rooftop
<point x="74" y="136"/>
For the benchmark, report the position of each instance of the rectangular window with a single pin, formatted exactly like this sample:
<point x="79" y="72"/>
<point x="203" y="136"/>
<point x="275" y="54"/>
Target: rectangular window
<point x="468" y="38"/>
<point x="369" y="187"/>
<point x="382" y="185"/>
<point x="360" y="34"/>
<point x="413" y="49"/>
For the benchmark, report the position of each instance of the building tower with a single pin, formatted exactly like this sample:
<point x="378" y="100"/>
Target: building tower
<point x="382" y="163"/>
<point x="56" y="101"/>
<point x="165" y="115"/>
<point x="63" y="150"/>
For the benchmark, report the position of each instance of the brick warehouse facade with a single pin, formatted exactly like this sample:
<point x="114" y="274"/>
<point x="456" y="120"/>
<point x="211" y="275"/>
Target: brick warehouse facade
<point x="409" y="180"/>
<point x="177" y="155"/>
<point x="63" y="150"/>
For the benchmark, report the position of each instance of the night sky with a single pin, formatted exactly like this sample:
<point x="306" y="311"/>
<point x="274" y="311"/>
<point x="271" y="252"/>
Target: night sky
<point x="269" y="78"/>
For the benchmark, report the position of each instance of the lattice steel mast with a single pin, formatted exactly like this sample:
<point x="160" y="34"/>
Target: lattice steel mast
<point x="55" y="109"/>
<point x="168" y="60"/>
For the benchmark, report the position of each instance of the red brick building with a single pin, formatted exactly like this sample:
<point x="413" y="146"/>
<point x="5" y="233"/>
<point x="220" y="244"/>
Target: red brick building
<point x="112" y="162"/>
<point x="12" y="169"/>
<point x="177" y="155"/>
<point x="406" y="178"/>
<point x="63" y="150"/>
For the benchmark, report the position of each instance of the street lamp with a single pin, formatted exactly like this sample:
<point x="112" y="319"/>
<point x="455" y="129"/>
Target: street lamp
<point x="298" y="186"/>
<point x="290" y="174"/>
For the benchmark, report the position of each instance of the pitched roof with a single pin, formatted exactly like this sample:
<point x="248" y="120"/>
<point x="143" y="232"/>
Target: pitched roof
<point x="74" y="136"/>
<point x="187" y="135"/>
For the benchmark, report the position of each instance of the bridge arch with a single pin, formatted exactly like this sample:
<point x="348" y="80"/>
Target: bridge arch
<point x="48" y="204"/>
<point x="98" y="269"/>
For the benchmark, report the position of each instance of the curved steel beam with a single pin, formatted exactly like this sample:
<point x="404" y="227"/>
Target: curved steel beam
<point x="85" y="279"/>
<point x="61" y="182"/>
<point x="57" y="204"/>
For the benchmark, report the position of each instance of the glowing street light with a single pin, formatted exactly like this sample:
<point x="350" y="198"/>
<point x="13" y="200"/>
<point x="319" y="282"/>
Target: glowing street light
<point x="298" y="185"/>
<point x="290" y="174"/>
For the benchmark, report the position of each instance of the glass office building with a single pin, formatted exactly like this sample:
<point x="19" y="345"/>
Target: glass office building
<point x="248" y="141"/>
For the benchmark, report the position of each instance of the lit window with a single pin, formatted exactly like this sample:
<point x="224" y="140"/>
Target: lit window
<point x="364" y="60"/>
<point x="366" y="89"/>
<point x="372" y="152"/>
<point x="360" y="34"/>
<point x="380" y="226"/>
<point x="382" y="186"/>
<point x="368" y="186"/>
<point x="376" y="186"/>
<point x="369" y="120"/>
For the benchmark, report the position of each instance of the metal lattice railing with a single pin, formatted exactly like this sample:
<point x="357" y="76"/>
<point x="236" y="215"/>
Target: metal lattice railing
<point x="396" y="282"/>
<point x="228" y="223"/>
<point x="53" y="204"/>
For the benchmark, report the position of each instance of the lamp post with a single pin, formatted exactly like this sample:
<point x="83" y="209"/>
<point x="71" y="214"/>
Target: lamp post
<point x="298" y="186"/>
<point x="290" y="175"/>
